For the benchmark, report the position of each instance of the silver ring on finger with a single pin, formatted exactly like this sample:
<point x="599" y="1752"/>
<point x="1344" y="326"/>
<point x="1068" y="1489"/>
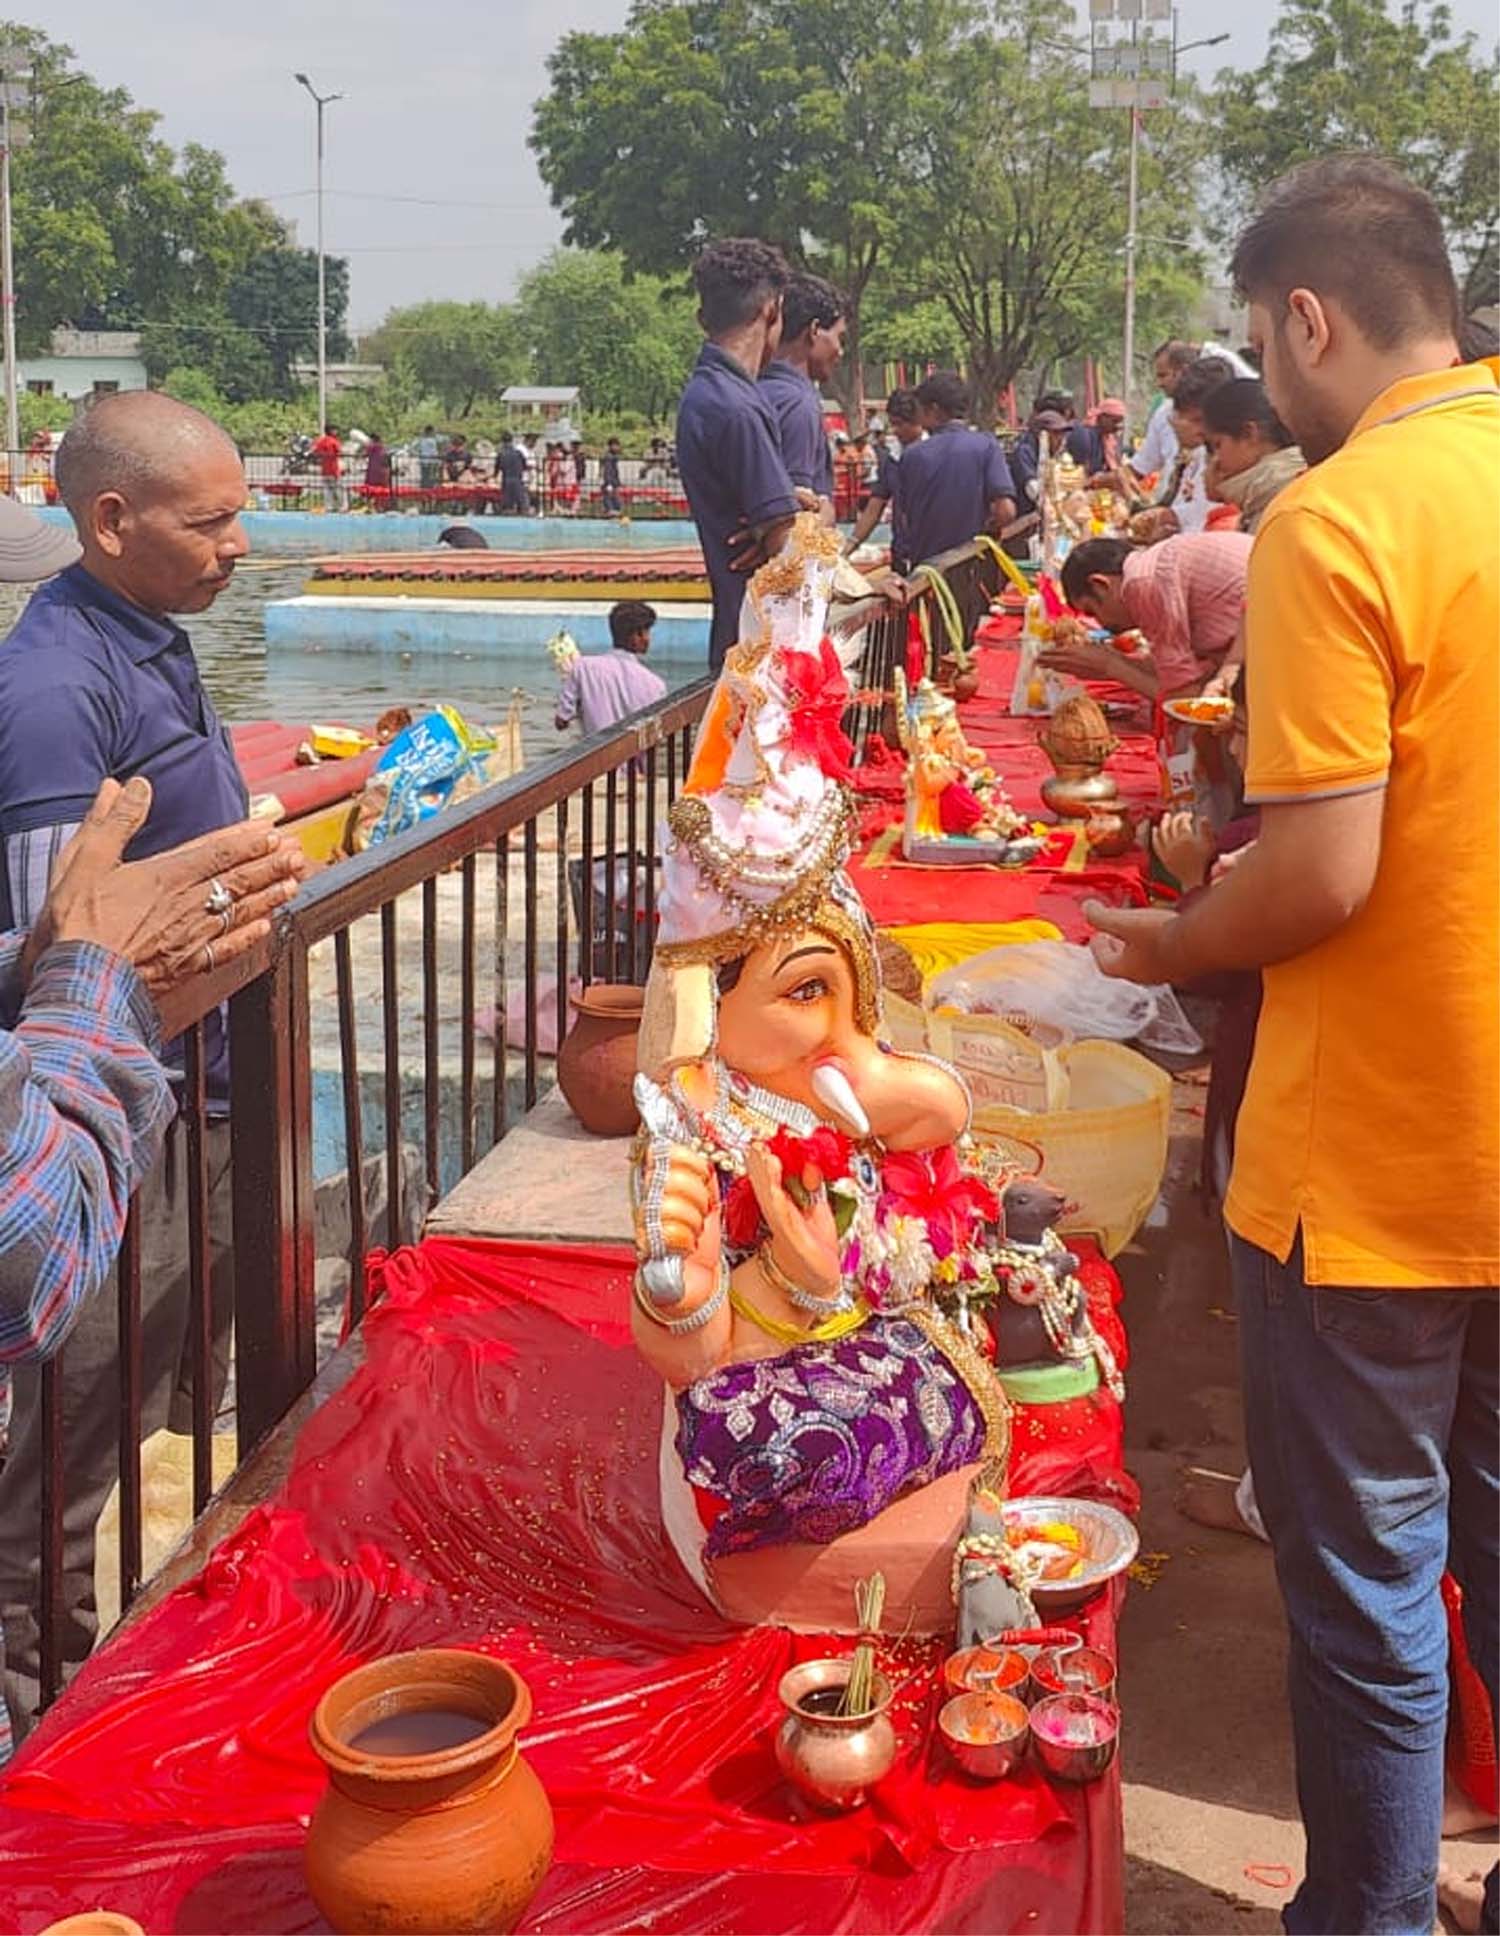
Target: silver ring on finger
<point x="208" y="957"/>
<point x="220" y="900"/>
<point x="226" y="921"/>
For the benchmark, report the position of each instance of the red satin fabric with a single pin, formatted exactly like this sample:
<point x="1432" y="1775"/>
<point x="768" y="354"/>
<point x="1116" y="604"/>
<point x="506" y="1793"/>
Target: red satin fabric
<point x="488" y="1478"/>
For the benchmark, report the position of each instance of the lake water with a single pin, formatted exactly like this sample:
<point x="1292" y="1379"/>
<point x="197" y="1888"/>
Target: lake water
<point x="246" y="682"/>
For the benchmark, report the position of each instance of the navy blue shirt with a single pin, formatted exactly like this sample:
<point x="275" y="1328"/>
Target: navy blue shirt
<point x="729" y="460"/>
<point x="799" y="418"/>
<point x="945" y="486"/>
<point x="1083" y="444"/>
<point x="93" y="688"/>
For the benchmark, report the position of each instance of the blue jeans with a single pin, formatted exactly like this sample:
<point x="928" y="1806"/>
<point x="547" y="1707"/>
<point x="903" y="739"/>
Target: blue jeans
<point x="1372" y="1419"/>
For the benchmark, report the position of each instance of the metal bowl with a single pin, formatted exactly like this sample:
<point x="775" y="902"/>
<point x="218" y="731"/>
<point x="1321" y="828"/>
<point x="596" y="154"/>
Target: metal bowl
<point x="1094" y="1721"/>
<point x="986" y="1734"/>
<point x="1110" y="1543"/>
<point x="988" y="1670"/>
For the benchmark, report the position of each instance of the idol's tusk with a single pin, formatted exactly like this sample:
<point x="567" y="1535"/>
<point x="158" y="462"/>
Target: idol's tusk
<point x="832" y="1088"/>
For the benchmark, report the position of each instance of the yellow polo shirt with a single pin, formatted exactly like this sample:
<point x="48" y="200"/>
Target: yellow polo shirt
<point x="1372" y="1117"/>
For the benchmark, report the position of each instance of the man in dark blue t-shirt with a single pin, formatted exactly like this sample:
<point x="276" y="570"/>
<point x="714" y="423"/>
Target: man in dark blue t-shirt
<point x="905" y="414"/>
<point x="98" y="681"/>
<point x="728" y="447"/>
<point x="953" y="485"/>
<point x="813" y="322"/>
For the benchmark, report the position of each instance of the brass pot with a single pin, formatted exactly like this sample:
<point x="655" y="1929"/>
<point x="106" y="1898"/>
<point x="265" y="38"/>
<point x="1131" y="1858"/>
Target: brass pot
<point x="1077" y="792"/>
<point x="832" y="1760"/>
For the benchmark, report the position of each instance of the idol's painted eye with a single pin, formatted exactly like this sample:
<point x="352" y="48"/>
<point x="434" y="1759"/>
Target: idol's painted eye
<point x="814" y="989"/>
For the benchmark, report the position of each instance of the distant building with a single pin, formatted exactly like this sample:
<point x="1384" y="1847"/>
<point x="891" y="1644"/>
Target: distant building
<point x="342" y="377"/>
<point x="84" y="363"/>
<point x="555" y="404"/>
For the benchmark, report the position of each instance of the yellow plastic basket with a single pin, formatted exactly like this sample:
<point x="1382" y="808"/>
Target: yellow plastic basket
<point x="1106" y="1149"/>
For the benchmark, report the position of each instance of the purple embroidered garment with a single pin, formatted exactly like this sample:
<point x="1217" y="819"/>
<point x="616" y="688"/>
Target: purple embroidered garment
<point x="816" y="1442"/>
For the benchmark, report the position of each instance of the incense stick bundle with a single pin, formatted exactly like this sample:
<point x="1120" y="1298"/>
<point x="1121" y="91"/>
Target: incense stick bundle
<point x="869" y="1603"/>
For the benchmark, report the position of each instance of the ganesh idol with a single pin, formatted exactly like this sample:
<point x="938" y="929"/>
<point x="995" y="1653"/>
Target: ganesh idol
<point x="805" y="1222"/>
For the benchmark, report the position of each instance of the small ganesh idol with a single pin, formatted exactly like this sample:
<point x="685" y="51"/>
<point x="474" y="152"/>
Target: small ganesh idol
<point x="801" y="1207"/>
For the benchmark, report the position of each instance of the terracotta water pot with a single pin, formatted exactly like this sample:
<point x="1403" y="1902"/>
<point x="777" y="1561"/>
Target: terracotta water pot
<point x="455" y="1839"/>
<point x="596" y="1063"/>
<point x="965" y="684"/>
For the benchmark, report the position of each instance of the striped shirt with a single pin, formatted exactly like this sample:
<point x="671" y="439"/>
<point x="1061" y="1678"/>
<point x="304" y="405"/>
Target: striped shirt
<point x="84" y="1105"/>
<point x="1187" y="594"/>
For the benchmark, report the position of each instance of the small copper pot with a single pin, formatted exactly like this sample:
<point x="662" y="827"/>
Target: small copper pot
<point x="832" y="1760"/>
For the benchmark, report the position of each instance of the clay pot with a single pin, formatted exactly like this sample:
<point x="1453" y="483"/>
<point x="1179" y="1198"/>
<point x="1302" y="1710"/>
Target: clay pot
<point x="455" y="1838"/>
<point x="596" y="1063"/>
<point x="1077" y="795"/>
<point x="832" y="1760"/>
<point x="965" y="684"/>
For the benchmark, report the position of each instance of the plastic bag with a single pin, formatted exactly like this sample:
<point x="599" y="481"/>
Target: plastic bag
<point x="1061" y="983"/>
<point x="438" y="760"/>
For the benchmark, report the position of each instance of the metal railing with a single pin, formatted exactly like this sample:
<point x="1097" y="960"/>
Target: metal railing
<point x="290" y="481"/>
<point x="588" y="819"/>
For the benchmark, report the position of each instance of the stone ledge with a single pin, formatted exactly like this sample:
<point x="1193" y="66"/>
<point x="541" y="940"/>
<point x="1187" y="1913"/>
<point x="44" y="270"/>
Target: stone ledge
<point x="549" y="1181"/>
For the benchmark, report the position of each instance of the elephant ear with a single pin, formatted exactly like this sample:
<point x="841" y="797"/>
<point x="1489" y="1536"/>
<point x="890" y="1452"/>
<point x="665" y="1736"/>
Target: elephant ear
<point x="677" y="1019"/>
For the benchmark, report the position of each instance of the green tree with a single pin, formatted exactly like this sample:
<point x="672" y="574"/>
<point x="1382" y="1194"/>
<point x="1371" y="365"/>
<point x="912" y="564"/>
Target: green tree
<point x="916" y="330"/>
<point x="628" y="342"/>
<point x="112" y="227"/>
<point x="1351" y="74"/>
<point x="1015" y="222"/>
<point x="274" y="300"/>
<point x="457" y="352"/>
<point x="801" y="121"/>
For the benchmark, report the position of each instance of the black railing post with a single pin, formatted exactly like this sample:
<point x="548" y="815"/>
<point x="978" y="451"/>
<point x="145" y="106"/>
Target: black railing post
<point x="274" y="1288"/>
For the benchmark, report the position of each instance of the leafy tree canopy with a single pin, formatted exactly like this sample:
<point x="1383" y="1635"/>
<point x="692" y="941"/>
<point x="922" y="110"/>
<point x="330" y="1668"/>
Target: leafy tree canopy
<point x="628" y="342"/>
<point x="116" y="230"/>
<point x="458" y="352"/>
<point x="1354" y="74"/>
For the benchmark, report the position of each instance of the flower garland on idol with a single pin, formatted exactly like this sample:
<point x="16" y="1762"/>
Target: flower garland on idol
<point x="910" y="1224"/>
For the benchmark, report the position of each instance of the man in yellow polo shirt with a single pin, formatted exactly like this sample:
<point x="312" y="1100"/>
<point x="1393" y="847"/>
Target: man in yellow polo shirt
<point x="1365" y="1200"/>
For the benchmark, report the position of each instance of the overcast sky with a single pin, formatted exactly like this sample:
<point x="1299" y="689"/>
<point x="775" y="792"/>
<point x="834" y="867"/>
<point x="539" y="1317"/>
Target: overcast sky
<point x="434" y="191"/>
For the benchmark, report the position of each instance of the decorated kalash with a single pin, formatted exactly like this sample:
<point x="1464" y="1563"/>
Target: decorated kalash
<point x="835" y="1290"/>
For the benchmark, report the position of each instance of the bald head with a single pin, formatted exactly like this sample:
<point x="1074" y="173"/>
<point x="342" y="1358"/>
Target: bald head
<point x="139" y="443"/>
<point x="155" y="489"/>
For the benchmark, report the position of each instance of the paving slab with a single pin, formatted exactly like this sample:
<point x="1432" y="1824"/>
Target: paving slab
<point x="550" y="1181"/>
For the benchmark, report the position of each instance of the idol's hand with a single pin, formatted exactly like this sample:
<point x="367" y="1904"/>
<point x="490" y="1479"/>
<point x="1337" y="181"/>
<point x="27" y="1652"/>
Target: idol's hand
<point x="689" y="1196"/>
<point x="804" y="1243"/>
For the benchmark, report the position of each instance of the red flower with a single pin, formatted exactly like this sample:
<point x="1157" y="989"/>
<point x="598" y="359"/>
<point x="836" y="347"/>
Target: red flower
<point x="931" y="1185"/>
<point x="826" y="1150"/>
<point x="742" y="1220"/>
<point x="817" y="693"/>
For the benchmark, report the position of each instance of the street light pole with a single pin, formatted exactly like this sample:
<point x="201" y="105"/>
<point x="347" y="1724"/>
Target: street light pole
<point x="1127" y="387"/>
<point x="321" y="101"/>
<point x="10" y="77"/>
<point x="8" y="291"/>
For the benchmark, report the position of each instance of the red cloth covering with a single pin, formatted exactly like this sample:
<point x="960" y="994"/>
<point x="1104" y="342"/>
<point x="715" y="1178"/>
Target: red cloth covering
<point x="488" y="1478"/>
